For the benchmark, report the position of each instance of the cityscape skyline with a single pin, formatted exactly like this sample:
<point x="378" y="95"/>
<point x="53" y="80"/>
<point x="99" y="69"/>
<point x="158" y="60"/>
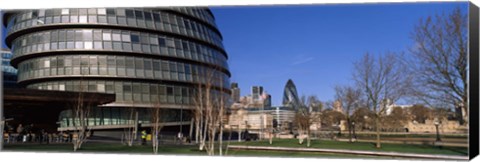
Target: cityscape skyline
<point x="342" y="81"/>
<point x="268" y="45"/>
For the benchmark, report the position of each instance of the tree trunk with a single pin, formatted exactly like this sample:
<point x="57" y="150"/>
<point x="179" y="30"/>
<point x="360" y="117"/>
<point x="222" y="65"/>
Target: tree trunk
<point x="221" y="140"/>
<point x="239" y="133"/>
<point x="308" y="137"/>
<point x="349" y="130"/>
<point x="271" y="136"/>
<point x="190" y="133"/>
<point x="377" y="130"/>
<point x="197" y="130"/>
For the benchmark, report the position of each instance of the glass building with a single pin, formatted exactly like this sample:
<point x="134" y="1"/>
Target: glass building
<point x="147" y="57"/>
<point x="9" y="73"/>
<point x="290" y="95"/>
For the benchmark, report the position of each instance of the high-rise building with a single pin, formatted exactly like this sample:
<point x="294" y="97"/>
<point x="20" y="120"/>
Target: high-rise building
<point x="290" y="95"/>
<point x="235" y="92"/>
<point x="9" y="73"/>
<point x="267" y="100"/>
<point x="147" y="57"/>
<point x="257" y="91"/>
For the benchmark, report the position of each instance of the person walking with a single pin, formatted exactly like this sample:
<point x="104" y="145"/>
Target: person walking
<point x="19" y="132"/>
<point x="180" y="137"/>
<point x="144" y="137"/>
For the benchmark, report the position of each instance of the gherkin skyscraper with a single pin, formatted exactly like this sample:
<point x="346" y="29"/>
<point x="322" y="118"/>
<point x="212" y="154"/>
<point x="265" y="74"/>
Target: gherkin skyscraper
<point x="290" y="95"/>
<point x="147" y="57"/>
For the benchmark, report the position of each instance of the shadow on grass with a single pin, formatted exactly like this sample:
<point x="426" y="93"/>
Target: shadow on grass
<point x="457" y="150"/>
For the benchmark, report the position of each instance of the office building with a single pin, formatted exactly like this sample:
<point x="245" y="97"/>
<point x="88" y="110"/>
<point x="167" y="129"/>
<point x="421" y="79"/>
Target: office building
<point x="235" y="92"/>
<point x="290" y="95"/>
<point x="257" y="92"/>
<point x="9" y="73"/>
<point x="148" y="57"/>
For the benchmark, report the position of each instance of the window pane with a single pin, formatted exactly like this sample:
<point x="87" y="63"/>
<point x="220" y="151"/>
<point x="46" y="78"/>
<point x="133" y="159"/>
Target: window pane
<point x="162" y="42"/>
<point x="148" y="16"/>
<point x="139" y="14"/>
<point x="65" y="11"/>
<point x="88" y="45"/>
<point x="92" y="11"/>
<point x="97" y="35"/>
<point x="156" y="17"/>
<point x="107" y="36"/>
<point x="116" y="37"/>
<point x="129" y="13"/>
<point x="135" y="38"/>
<point x="120" y="12"/>
<point x="83" y="19"/>
<point x="101" y="11"/>
<point x="111" y="11"/>
<point x="125" y="37"/>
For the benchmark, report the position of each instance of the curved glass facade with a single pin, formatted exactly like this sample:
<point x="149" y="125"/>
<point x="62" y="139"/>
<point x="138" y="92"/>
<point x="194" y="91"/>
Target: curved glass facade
<point x="143" y="56"/>
<point x="290" y="95"/>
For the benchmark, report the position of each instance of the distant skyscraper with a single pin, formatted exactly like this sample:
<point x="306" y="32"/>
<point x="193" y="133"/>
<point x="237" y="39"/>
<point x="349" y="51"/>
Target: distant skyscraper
<point x="257" y="91"/>
<point x="267" y="100"/>
<point x="235" y="92"/>
<point x="290" y="95"/>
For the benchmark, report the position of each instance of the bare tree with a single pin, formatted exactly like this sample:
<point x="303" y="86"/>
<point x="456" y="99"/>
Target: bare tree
<point x="440" y="56"/>
<point x="202" y="102"/>
<point x="80" y="117"/>
<point x="130" y="132"/>
<point x="331" y="118"/>
<point x="210" y="103"/>
<point x="420" y="113"/>
<point x="305" y="116"/>
<point x="396" y="120"/>
<point x="349" y="97"/>
<point x="440" y="113"/>
<point x="156" y="125"/>
<point x="382" y="80"/>
<point x="363" y="118"/>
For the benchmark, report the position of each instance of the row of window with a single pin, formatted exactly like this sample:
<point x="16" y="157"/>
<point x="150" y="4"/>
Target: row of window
<point x="201" y="14"/>
<point x="116" y="66"/>
<point x="6" y="68"/>
<point x="122" y="116"/>
<point x="166" y="22"/>
<point x="6" y="55"/>
<point x="118" y="41"/>
<point x="128" y="92"/>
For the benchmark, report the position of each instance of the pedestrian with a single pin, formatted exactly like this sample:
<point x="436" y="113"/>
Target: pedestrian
<point x="19" y="132"/>
<point x="144" y="137"/>
<point x="180" y="137"/>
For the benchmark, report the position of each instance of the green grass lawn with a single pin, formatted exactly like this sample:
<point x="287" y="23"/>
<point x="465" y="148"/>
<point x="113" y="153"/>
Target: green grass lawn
<point x="168" y="150"/>
<point x="345" y="135"/>
<point x="106" y="148"/>
<point x="193" y="150"/>
<point x="365" y="146"/>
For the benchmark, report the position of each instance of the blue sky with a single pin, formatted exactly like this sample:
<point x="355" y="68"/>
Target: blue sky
<point x="314" y="45"/>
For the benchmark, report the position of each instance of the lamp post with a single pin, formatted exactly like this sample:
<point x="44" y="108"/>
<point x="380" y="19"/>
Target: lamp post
<point x="180" y="134"/>
<point x="245" y="135"/>
<point x="438" y="133"/>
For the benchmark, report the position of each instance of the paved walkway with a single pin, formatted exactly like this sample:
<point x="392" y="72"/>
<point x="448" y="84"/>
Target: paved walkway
<point x="355" y="152"/>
